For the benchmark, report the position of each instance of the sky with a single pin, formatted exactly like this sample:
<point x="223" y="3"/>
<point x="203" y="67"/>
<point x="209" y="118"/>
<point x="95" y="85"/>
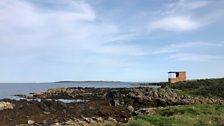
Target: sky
<point x="120" y="40"/>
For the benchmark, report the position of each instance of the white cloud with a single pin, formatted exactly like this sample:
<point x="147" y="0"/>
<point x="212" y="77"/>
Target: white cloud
<point x="175" y="23"/>
<point x="179" y="16"/>
<point x="187" y="5"/>
<point x="21" y="14"/>
<point x="182" y="51"/>
<point x="175" y="48"/>
<point x="73" y="26"/>
<point x="30" y="33"/>
<point x="193" y="57"/>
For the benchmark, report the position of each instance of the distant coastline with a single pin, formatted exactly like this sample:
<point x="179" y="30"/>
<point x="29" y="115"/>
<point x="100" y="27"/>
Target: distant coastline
<point x="87" y="82"/>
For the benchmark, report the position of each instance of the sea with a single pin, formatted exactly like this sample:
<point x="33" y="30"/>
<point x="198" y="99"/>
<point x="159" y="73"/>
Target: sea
<point x="8" y="90"/>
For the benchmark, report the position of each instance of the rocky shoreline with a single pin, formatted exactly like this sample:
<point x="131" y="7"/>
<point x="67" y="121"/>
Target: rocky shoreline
<point x="106" y="106"/>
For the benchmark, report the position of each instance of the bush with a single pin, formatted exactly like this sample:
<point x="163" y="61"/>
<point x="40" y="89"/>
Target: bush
<point x="207" y="88"/>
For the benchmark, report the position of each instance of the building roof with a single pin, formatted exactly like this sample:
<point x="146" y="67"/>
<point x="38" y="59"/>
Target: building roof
<point x="177" y="72"/>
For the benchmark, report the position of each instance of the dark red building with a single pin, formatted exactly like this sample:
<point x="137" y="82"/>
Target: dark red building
<point x="177" y="76"/>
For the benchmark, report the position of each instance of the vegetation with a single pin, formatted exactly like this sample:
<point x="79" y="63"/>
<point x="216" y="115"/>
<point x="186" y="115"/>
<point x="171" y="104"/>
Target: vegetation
<point x="207" y="87"/>
<point x="191" y="115"/>
<point x="138" y="122"/>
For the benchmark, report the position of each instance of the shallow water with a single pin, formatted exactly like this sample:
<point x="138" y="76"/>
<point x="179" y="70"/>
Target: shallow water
<point x="61" y="100"/>
<point x="7" y="90"/>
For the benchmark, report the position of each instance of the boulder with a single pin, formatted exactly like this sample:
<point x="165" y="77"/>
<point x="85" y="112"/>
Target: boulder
<point x="30" y="122"/>
<point x="146" y="111"/>
<point x="6" y="105"/>
<point x="130" y="108"/>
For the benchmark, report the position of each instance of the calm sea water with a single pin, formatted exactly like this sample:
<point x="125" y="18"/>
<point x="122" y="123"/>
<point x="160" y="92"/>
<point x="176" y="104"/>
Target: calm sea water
<point x="7" y="90"/>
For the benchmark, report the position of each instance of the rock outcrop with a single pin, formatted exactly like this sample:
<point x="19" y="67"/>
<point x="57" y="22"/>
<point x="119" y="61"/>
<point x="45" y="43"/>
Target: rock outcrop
<point x="71" y="93"/>
<point x="155" y="98"/>
<point x="136" y="97"/>
<point x="101" y="106"/>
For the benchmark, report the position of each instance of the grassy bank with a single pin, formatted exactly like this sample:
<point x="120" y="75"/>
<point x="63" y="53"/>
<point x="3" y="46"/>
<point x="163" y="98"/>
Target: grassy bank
<point x="207" y="87"/>
<point x="191" y="115"/>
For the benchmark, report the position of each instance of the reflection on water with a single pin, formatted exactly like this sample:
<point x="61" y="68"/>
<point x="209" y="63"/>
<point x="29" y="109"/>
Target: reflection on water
<point x="61" y="100"/>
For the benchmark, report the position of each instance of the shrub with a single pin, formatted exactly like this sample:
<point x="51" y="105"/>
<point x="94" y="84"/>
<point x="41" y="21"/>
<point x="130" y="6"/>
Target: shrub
<point x="207" y="87"/>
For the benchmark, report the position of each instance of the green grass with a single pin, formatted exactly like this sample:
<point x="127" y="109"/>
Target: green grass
<point x="138" y="122"/>
<point x="190" y="115"/>
<point x="207" y="87"/>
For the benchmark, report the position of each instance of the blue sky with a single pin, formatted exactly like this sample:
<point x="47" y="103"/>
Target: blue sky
<point x="126" y="40"/>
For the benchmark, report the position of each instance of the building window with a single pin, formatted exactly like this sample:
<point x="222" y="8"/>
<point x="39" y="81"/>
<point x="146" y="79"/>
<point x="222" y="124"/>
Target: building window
<point x="172" y="75"/>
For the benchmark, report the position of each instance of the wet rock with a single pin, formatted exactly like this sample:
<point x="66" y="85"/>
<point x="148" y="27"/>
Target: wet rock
<point x="20" y="95"/>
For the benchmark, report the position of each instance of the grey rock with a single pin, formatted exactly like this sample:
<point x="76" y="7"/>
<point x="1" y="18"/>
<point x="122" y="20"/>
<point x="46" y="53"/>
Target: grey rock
<point x="99" y="119"/>
<point x="47" y="113"/>
<point x="30" y="122"/>
<point x="88" y="120"/>
<point x="117" y="102"/>
<point x="6" y="105"/>
<point x="112" y="120"/>
<point x="130" y="108"/>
